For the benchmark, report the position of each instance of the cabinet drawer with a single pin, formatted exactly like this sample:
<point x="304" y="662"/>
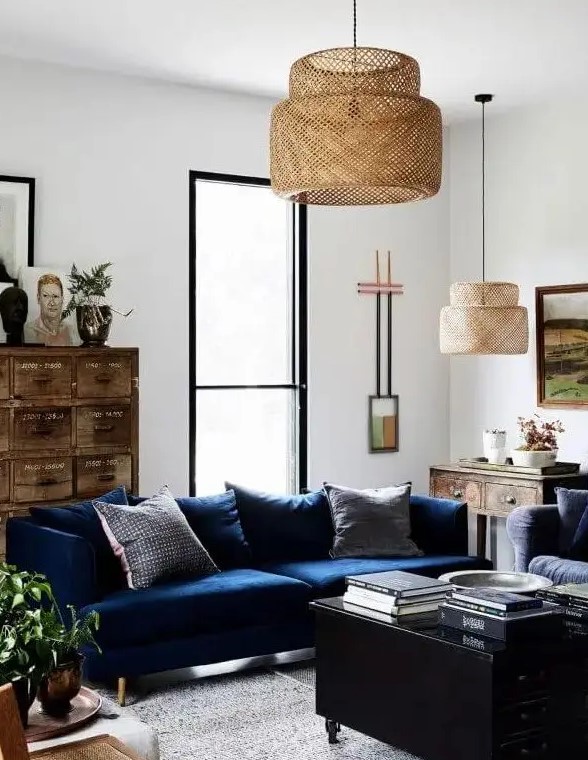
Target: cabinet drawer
<point x="456" y="488"/>
<point x="504" y="498"/>
<point x="97" y="474"/>
<point x="4" y="481"/>
<point x="4" y="378"/>
<point x="38" y="429"/>
<point x="4" y="517"/>
<point x="43" y="479"/>
<point x="104" y="377"/>
<point x="4" y="419"/>
<point x="104" y="426"/>
<point x="39" y="378"/>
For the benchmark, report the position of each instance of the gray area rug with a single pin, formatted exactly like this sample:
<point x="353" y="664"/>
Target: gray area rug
<point x="253" y="715"/>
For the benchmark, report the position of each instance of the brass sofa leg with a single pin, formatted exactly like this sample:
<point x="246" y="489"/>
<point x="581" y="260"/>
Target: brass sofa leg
<point x="122" y="691"/>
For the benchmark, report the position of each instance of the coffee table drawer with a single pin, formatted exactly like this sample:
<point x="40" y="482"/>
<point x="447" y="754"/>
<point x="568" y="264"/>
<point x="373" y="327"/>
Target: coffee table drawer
<point x="104" y="426"/>
<point x="97" y="474"/>
<point x="43" y="479"/>
<point x="41" y="378"/>
<point x="104" y="378"/>
<point x="459" y="489"/>
<point x="38" y="429"/>
<point x="504" y="498"/>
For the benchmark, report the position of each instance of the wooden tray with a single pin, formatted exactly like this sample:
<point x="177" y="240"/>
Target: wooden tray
<point x="559" y="468"/>
<point x="84" y="707"/>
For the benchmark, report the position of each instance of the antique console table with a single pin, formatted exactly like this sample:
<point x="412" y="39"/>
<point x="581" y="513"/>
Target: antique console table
<point x="491" y="493"/>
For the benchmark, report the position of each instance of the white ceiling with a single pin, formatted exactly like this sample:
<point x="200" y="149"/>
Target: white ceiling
<point x="524" y="51"/>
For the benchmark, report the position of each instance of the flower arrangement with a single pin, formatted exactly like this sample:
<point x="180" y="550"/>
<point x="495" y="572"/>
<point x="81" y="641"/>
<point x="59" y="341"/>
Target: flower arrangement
<point x="538" y="434"/>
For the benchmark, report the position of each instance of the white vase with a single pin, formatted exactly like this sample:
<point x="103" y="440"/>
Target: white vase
<point x="494" y="444"/>
<point x="535" y="459"/>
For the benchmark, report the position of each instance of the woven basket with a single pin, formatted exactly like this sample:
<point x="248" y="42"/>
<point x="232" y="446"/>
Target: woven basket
<point x="484" y="318"/>
<point x="355" y="131"/>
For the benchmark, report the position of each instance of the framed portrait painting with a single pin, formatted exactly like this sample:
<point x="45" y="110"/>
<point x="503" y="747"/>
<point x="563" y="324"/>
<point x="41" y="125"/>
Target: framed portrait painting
<point x="562" y="346"/>
<point x="46" y="290"/>
<point x="17" y="225"/>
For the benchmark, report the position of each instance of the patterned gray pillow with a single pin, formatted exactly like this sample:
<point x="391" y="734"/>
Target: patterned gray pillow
<point x="154" y="541"/>
<point x="374" y="522"/>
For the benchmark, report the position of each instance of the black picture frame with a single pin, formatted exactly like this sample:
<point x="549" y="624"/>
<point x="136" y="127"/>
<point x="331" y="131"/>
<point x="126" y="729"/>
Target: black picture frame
<point x="25" y="256"/>
<point x="389" y="436"/>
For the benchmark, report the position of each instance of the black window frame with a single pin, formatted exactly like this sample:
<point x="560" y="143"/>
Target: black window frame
<point x="299" y="353"/>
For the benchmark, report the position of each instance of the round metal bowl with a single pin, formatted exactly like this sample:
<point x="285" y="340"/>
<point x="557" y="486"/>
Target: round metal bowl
<point x="519" y="583"/>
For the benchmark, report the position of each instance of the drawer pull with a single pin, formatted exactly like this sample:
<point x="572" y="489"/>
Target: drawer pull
<point x="42" y="431"/>
<point x="42" y="379"/>
<point x="511" y="500"/>
<point x="46" y="482"/>
<point x="106" y="477"/>
<point x="103" y="428"/>
<point x="539" y="752"/>
<point x="103" y="379"/>
<point x="457" y="494"/>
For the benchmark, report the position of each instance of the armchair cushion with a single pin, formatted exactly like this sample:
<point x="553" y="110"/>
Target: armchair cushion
<point x="532" y="531"/>
<point x="81" y="520"/>
<point x="571" y="505"/>
<point x="560" y="570"/>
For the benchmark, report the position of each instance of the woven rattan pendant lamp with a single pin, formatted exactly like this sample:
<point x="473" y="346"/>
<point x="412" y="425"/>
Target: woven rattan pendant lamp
<point x="355" y="130"/>
<point x="484" y="317"/>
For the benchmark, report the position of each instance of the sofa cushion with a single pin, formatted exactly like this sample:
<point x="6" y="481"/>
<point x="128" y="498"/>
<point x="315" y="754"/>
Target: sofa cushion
<point x="154" y="541"/>
<point x="284" y="528"/>
<point x="327" y="577"/>
<point x="371" y="522"/>
<point x="559" y="570"/>
<point x="81" y="520"/>
<point x="216" y="522"/>
<point x="571" y="505"/>
<point x="229" y="600"/>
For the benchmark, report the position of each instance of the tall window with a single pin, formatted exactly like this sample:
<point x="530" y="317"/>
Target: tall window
<point x="247" y="335"/>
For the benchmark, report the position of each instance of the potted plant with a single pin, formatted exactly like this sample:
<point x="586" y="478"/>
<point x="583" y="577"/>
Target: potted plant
<point x="63" y="681"/>
<point x="539" y="448"/>
<point x="26" y="650"/>
<point x="88" y="301"/>
<point x="494" y="443"/>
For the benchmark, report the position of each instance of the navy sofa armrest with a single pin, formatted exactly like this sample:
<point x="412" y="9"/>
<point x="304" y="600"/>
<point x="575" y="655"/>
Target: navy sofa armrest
<point x="533" y="531"/>
<point x="68" y="561"/>
<point x="439" y="526"/>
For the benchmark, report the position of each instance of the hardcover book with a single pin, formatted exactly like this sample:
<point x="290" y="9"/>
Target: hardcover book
<point x="387" y="605"/>
<point x="499" y="600"/>
<point x="398" y="583"/>
<point x="400" y="602"/>
<point x="530" y="624"/>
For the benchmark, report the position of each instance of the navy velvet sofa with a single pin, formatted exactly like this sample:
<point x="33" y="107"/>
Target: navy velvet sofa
<point x="240" y="612"/>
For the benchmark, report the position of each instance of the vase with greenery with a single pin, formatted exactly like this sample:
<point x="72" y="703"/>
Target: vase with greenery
<point x="28" y="621"/>
<point x="89" y="303"/>
<point x="63" y="681"/>
<point x="539" y="448"/>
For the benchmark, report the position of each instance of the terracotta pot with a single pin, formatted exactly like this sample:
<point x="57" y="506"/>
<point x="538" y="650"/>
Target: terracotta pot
<point x="25" y="696"/>
<point x="59" y="687"/>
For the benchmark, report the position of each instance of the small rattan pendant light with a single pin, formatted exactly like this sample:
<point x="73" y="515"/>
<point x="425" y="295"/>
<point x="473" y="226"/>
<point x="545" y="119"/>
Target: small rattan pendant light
<point x="484" y="317"/>
<point x="355" y="130"/>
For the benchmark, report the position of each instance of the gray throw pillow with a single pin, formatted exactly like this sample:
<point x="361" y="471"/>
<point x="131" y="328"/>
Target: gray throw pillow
<point x="374" y="522"/>
<point x="571" y="503"/>
<point x="154" y="541"/>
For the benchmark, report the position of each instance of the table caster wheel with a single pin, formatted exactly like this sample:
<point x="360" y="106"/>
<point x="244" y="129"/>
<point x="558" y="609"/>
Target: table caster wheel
<point x="332" y="728"/>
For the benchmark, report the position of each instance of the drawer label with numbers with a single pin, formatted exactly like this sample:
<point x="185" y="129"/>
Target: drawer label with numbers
<point x="97" y="474"/>
<point x="40" y="377"/>
<point x="36" y="429"/>
<point x="104" y="378"/>
<point x="43" y="479"/>
<point x="4" y="389"/>
<point x="4" y="481"/>
<point x="104" y="426"/>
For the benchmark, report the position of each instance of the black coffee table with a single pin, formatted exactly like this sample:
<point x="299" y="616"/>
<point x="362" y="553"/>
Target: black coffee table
<point x="442" y="694"/>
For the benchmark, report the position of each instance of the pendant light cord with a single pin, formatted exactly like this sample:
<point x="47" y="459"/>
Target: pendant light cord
<point x="354" y="23"/>
<point x="483" y="191"/>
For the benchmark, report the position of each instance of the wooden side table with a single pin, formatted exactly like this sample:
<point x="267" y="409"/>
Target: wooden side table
<point x="490" y="493"/>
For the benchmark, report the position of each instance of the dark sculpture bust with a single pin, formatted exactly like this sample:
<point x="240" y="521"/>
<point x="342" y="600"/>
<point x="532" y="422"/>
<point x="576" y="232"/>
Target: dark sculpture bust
<point x="14" y="308"/>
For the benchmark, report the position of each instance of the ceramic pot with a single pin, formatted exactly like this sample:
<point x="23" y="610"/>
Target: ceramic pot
<point x="535" y="459"/>
<point x="93" y="324"/>
<point x="25" y="696"/>
<point x="494" y="444"/>
<point x="59" y="687"/>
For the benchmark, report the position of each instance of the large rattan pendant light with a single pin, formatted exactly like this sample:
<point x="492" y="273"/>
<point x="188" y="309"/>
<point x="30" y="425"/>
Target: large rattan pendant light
<point x="484" y="317"/>
<point x="355" y="130"/>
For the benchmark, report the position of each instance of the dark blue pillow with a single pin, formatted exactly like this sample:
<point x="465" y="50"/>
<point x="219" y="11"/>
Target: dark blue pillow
<point x="285" y="528"/>
<point x="81" y="520"/>
<point x="579" y="546"/>
<point x="571" y="505"/>
<point x="215" y="520"/>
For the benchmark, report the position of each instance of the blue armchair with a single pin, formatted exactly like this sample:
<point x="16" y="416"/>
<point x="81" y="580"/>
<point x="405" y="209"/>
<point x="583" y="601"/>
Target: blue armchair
<point x="534" y="534"/>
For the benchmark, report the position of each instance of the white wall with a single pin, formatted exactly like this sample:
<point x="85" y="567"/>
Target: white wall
<point x="536" y="234"/>
<point x="111" y="156"/>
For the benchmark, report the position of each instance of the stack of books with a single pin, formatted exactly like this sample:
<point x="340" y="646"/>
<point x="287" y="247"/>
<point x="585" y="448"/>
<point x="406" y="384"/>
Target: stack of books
<point x="572" y="597"/>
<point x="395" y="593"/>
<point x="499" y="614"/>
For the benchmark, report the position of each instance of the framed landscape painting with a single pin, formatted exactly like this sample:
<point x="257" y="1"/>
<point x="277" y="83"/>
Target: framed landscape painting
<point x="562" y="346"/>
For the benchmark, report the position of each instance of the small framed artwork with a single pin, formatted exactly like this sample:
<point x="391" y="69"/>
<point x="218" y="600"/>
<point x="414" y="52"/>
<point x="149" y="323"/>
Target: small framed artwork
<point x="383" y="424"/>
<point x="46" y="292"/>
<point x="562" y="346"/>
<point x="17" y="225"/>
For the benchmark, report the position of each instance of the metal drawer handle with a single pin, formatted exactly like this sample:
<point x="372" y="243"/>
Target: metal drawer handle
<point x="526" y="752"/>
<point x="46" y="482"/>
<point x="526" y="716"/>
<point x="42" y="379"/>
<point x="457" y="494"/>
<point x="42" y="431"/>
<point x="103" y="379"/>
<point x="511" y="500"/>
<point x="106" y="477"/>
<point x="103" y="428"/>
